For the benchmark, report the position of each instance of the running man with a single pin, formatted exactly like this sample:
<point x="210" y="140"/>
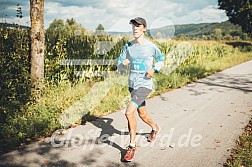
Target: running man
<point x="145" y="59"/>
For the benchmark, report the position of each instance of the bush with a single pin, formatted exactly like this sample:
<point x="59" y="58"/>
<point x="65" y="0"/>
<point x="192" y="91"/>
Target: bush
<point x="14" y="70"/>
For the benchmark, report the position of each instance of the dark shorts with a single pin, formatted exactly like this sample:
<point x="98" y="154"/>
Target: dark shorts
<point x="138" y="96"/>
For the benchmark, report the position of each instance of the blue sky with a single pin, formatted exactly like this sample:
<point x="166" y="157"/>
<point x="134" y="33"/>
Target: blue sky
<point x="114" y="15"/>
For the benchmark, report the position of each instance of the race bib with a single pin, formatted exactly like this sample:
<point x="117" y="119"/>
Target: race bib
<point x="138" y="66"/>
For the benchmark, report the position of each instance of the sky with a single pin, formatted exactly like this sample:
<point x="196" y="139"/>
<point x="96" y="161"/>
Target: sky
<point x="114" y="15"/>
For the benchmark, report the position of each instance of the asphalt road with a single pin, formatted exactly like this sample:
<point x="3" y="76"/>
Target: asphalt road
<point x="200" y="123"/>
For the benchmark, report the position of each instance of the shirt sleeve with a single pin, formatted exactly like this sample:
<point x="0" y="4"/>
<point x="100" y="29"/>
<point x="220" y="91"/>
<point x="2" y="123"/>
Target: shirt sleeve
<point x="123" y="55"/>
<point x="159" y="59"/>
<point x="121" y="58"/>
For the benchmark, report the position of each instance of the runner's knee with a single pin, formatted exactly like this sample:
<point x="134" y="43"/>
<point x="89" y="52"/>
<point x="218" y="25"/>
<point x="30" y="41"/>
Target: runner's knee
<point x="142" y="115"/>
<point x="129" y="115"/>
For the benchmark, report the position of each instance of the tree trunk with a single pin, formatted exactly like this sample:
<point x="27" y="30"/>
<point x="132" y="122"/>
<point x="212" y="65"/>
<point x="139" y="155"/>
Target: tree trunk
<point x="37" y="46"/>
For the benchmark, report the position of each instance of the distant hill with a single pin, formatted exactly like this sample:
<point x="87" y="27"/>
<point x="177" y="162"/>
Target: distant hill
<point x="199" y="30"/>
<point x="208" y="28"/>
<point x="13" y="25"/>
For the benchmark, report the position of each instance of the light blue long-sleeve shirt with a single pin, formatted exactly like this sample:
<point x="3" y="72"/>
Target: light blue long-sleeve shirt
<point x="142" y="57"/>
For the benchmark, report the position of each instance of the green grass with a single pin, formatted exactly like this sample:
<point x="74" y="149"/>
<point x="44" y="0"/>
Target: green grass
<point x="36" y="120"/>
<point x="190" y="73"/>
<point x="241" y="155"/>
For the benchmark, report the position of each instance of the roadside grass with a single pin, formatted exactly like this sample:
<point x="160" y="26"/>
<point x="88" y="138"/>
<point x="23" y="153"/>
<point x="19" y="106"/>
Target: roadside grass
<point x="241" y="155"/>
<point x="184" y="75"/>
<point x="37" y="120"/>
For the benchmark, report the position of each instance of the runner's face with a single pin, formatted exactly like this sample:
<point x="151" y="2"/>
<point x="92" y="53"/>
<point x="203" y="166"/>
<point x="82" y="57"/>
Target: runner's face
<point x="138" y="30"/>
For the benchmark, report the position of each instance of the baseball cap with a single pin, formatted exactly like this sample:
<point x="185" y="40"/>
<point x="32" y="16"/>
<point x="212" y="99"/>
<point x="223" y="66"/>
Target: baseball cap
<point x="138" y="21"/>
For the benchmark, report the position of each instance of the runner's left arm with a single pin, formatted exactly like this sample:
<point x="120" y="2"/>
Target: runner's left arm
<point x="159" y="59"/>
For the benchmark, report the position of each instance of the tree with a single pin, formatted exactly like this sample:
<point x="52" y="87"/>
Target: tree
<point x="218" y="33"/>
<point x="181" y="37"/>
<point x="70" y="22"/>
<point x="73" y="28"/>
<point x="19" y="11"/>
<point x="37" y="46"/>
<point x="56" y="26"/>
<point x="228" y="37"/>
<point x="99" y="30"/>
<point x="239" y="12"/>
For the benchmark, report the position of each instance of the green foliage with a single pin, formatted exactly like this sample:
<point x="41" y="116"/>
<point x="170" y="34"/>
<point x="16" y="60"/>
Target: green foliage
<point x="217" y="33"/>
<point x="241" y="155"/>
<point x="100" y="31"/>
<point x="14" y="70"/>
<point x="243" y="46"/>
<point x="181" y="37"/>
<point x="28" y="124"/>
<point x="100" y="28"/>
<point x="71" y="41"/>
<point x="239" y="12"/>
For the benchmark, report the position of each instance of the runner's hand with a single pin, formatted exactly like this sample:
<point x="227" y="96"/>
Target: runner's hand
<point x="126" y="62"/>
<point x="150" y="73"/>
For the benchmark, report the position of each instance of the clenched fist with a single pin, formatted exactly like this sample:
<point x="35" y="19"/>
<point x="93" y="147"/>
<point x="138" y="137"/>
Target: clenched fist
<point x="126" y="62"/>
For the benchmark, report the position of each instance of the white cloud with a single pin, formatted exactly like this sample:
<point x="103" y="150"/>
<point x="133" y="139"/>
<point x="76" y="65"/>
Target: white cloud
<point x="205" y="15"/>
<point x="111" y="13"/>
<point x="121" y="25"/>
<point x="115" y="14"/>
<point x="85" y="15"/>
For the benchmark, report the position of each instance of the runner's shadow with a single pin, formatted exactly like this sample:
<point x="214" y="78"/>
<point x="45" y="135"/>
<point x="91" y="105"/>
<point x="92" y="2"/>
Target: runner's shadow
<point x="108" y="130"/>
